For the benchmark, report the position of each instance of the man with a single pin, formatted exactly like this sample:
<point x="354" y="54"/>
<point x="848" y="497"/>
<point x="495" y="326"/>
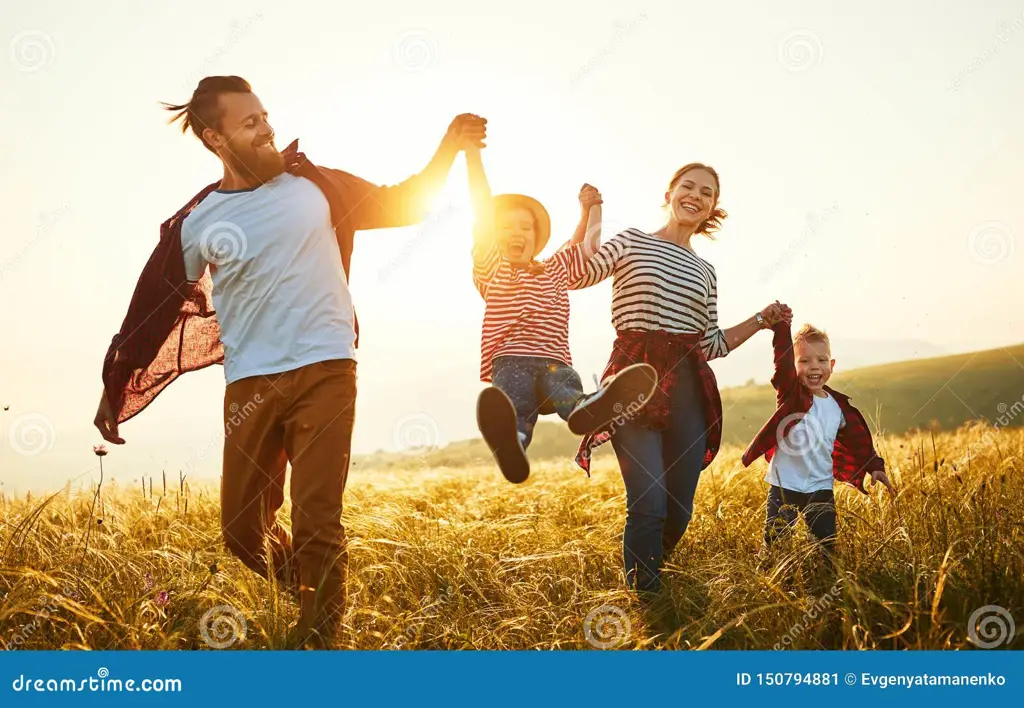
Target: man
<point x="276" y="234"/>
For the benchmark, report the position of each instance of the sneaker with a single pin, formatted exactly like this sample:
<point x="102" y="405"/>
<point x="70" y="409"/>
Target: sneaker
<point x="624" y="394"/>
<point x="496" y="418"/>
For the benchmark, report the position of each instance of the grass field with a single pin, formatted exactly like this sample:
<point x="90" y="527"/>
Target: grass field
<point x="457" y="558"/>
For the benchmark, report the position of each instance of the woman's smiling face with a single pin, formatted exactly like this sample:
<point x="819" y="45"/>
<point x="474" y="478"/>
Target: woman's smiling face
<point x="693" y="197"/>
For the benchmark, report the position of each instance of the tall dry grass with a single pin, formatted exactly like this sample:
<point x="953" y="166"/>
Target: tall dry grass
<point x="446" y="558"/>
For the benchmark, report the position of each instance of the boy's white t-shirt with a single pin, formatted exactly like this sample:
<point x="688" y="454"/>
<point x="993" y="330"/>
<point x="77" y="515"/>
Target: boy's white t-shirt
<point x="803" y="459"/>
<point x="279" y="288"/>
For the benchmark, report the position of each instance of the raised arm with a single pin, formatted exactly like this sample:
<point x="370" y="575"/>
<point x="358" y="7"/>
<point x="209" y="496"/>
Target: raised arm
<point x="784" y="377"/>
<point x="406" y="203"/>
<point x="485" y="248"/>
<point x="603" y="263"/>
<point x="588" y="230"/>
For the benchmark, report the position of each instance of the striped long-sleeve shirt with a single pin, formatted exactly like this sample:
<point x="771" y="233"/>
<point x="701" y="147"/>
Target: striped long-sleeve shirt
<point x="659" y="285"/>
<point x="527" y="314"/>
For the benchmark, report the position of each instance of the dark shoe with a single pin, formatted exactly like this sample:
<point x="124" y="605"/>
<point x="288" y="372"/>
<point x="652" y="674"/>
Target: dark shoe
<point x="496" y="418"/>
<point x="622" y="397"/>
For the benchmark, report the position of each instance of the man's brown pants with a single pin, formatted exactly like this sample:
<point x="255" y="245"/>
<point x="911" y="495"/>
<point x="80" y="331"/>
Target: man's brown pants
<point x="304" y="417"/>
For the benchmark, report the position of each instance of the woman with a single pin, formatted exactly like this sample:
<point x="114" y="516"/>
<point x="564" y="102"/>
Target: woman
<point x="665" y="312"/>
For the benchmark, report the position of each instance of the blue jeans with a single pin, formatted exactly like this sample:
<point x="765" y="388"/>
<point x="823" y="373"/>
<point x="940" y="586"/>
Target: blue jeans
<point x="534" y="382"/>
<point x="661" y="469"/>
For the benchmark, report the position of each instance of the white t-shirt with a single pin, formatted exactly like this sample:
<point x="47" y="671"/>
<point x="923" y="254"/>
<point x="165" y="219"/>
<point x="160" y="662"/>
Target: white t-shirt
<point x="279" y="288"/>
<point x="803" y="459"/>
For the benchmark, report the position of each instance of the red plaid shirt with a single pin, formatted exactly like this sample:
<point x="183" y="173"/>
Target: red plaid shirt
<point x="171" y="327"/>
<point x="853" y="455"/>
<point x="664" y="351"/>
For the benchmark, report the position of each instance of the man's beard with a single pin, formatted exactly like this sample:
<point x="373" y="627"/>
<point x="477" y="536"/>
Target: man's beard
<point x="259" y="165"/>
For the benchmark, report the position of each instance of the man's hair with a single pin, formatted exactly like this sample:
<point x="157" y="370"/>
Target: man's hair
<point x="203" y="110"/>
<point x="810" y="333"/>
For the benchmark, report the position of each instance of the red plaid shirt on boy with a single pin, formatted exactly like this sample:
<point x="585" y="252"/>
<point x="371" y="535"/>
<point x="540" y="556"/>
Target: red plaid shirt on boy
<point x="664" y="351"/>
<point x="854" y="453"/>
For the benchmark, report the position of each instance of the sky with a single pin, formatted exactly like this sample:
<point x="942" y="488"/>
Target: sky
<point x="867" y="153"/>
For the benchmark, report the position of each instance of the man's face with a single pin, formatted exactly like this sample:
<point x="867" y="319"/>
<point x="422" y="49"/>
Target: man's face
<point x="245" y="141"/>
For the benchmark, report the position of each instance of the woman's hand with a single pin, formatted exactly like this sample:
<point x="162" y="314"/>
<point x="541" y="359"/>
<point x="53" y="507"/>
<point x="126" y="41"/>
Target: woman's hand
<point x="775" y="313"/>
<point x="467" y="131"/>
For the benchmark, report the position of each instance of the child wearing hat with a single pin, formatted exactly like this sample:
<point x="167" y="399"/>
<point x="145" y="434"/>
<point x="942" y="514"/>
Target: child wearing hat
<point x="525" y="340"/>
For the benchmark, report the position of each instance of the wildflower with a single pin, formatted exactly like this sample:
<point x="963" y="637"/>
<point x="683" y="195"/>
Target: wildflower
<point x="163" y="598"/>
<point x="99" y="450"/>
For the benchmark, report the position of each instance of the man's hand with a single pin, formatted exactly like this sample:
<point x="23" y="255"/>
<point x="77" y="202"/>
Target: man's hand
<point x="466" y="131"/>
<point x="106" y="422"/>
<point x="589" y="196"/>
<point x="880" y="476"/>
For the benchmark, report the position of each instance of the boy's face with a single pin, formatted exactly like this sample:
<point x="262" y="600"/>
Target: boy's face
<point x="813" y="364"/>
<point x="517" y="234"/>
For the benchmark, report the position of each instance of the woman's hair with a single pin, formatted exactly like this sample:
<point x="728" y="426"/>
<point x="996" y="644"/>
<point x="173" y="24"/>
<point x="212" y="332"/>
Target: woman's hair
<point x="714" y="221"/>
<point x="203" y="111"/>
<point x="810" y="333"/>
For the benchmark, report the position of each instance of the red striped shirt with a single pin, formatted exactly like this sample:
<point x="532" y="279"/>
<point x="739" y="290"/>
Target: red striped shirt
<point x="527" y="314"/>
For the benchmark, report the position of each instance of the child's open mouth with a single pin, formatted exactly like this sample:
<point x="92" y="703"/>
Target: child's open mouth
<point x="814" y="379"/>
<point x="516" y="248"/>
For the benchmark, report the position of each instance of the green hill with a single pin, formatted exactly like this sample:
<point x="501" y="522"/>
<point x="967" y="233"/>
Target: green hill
<point x="942" y="393"/>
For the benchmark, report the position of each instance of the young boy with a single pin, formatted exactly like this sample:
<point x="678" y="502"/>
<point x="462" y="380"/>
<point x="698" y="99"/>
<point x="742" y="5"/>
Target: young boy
<point x="525" y="341"/>
<point x="814" y="436"/>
